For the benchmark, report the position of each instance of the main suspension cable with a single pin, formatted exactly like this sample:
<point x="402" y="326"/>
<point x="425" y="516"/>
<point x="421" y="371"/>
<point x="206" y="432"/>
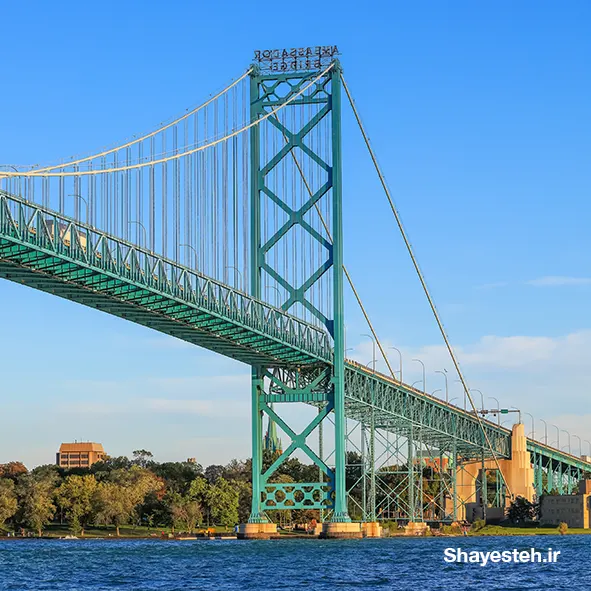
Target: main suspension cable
<point x="172" y="157"/>
<point x="422" y="278"/>
<point x="148" y="135"/>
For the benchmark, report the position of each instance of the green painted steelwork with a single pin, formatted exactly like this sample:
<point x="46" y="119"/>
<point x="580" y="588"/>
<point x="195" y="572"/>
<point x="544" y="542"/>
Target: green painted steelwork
<point x="267" y="92"/>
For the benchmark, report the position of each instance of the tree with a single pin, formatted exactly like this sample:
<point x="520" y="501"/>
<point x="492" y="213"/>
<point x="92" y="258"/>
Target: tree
<point x="213" y="472"/>
<point x="115" y="500"/>
<point x="8" y="500"/>
<point x="75" y="495"/>
<point x="522" y="510"/>
<point x="186" y="511"/>
<point x="12" y="470"/>
<point x="142" y="458"/>
<point x="222" y="499"/>
<point x="199" y="491"/>
<point x="178" y="475"/>
<point x="36" y="500"/>
<point x="113" y="504"/>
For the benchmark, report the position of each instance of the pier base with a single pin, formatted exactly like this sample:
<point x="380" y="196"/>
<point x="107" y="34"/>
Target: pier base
<point x="256" y="531"/>
<point x="371" y="529"/>
<point x="334" y="529"/>
<point x="416" y="528"/>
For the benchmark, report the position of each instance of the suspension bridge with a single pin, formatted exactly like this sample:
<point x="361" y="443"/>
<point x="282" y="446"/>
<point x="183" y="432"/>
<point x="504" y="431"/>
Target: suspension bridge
<point x="223" y="228"/>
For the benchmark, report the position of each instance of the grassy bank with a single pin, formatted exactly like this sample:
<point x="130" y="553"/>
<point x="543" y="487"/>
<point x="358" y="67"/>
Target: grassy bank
<point x="500" y="530"/>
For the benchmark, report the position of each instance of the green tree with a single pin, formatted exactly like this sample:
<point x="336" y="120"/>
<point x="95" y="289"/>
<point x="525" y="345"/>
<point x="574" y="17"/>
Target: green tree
<point x="115" y="500"/>
<point x="113" y="504"/>
<point x="36" y="494"/>
<point x="8" y="500"/>
<point x="185" y="511"/>
<point x="222" y="499"/>
<point x="522" y="510"/>
<point x="199" y="491"/>
<point x="75" y="496"/>
<point x="142" y="458"/>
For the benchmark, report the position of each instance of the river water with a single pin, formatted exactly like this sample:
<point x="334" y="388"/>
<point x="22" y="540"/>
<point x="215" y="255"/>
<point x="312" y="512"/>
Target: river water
<point x="395" y="563"/>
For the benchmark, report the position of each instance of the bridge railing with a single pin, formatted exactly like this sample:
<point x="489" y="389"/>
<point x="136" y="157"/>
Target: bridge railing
<point x="31" y="224"/>
<point x="439" y="421"/>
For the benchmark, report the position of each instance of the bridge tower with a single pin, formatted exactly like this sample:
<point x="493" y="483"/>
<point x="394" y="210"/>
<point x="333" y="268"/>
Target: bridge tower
<point x="296" y="178"/>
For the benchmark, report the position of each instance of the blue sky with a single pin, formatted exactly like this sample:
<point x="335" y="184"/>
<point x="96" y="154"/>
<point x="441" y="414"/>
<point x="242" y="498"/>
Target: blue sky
<point x="479" y="114"/>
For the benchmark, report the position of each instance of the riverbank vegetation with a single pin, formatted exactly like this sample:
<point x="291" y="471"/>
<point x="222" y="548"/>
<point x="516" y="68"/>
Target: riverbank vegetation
<point x="137" y="492"/>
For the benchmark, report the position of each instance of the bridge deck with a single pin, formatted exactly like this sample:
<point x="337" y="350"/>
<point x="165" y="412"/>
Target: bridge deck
<point x="57" y="254"/>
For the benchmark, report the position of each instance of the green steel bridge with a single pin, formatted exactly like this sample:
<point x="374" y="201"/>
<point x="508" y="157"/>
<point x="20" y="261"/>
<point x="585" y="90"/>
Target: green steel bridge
<point x="164" y="229"/>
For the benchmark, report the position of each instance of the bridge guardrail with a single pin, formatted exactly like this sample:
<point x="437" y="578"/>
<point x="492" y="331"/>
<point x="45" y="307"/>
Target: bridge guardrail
<point x="34" y="225"/>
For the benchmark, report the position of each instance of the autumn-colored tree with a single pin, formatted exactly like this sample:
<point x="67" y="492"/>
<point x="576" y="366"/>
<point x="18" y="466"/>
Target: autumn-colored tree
<point x="75" y="496"/>
<point x="12" y="470"/>
<point x="8" y="500"/>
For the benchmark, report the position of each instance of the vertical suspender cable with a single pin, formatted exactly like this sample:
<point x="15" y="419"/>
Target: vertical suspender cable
<point x="421" y="278"/>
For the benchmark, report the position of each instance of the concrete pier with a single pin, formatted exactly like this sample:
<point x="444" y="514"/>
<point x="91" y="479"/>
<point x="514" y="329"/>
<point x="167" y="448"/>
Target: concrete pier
<point x="256" y="531"/>
<point x="337" y="530"/>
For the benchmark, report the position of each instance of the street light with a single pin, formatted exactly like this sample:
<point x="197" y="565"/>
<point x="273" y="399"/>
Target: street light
<point x="519" y="411"/>
<point x="424" y="378"/>
<point x="454" y="398"/>
<point x="498" y="409"/>
<point x="481" y="395"/>
<point x="194" y="251"/>
<point x="400" y="359"/>
<point x="278" y="292"/>
<point x="533" y="427"/>
<point x="438" y="390"/>
<point x="143" y="228"/>
<point x="444" y="374"/>
<point x="373" y="341"/>
<point x="580" y="446"/>
<point x="83" y="199"/>
<point x="557" y="436"/>
<point x="589" y="444"/>
<point x="18" y="177"/>
<point x="239" y="273"/>
<point x="413" y="384"/>
<point x="565" y="431"/>
<point x="545" y="431"/>
<point x="464" y="392"/>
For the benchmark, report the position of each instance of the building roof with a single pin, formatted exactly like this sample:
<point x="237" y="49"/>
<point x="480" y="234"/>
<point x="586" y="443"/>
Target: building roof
<point x="81" y="446"/>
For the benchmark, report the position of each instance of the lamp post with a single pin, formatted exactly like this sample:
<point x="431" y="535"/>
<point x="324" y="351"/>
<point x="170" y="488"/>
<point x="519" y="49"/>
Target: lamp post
<point x="18" y="177"/>
<point x="545" y="431"/>
<point x="424" y="377"/>
<point x="239" y="274"/>
<point x="143" y="228"/>
<point x="533" y="427"/>
<point x="444" y="374"/>
<point x="194" y="252"/>
<point x="481" y="395"/>
<point x="498" y="409"/>
<point x="454" y="398"/>
<point x="438" y="390"/>
<point x="580" y="445"/>
<point x="83" y="199"/>
<point x="565" y="431"/>
<point x="464" y="392"/>
<point x="519" y="411"/>
<point x="276" y="289"/>
<point x="413" y="384"/>
<point x="400" y="360"/>
<point x="373" y="341"/>
<point x="557" y="436"/>
<point x="589" y="444"/>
